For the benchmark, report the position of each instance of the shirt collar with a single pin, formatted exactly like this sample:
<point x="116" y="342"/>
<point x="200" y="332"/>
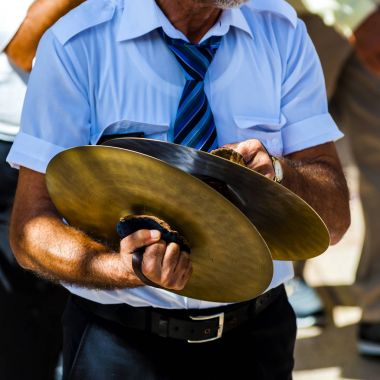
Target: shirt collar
<point x="143" y="16"/>
<point x="138" y="18"/>
<point x="280" y="7"/>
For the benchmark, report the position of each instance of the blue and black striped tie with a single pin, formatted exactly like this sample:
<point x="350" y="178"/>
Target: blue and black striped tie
<point x="194" y="125"/>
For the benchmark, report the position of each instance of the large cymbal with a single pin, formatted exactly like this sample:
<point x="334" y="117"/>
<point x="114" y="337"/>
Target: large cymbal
<point x="290" y="227"/>
<point x="94" y="186"/>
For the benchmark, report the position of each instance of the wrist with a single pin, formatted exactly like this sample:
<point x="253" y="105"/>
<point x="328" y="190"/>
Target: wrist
<point x="113" y="270"/>
<point x="289" y="172"/>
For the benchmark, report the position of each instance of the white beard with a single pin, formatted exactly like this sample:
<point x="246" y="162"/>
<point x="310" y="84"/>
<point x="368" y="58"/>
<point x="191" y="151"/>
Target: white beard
<point x="224" y="4"/>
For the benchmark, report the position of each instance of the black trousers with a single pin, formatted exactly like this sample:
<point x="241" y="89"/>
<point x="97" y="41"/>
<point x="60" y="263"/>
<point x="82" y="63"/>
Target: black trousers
<point x="98" y="349"/>
<point x="30" y="308"/>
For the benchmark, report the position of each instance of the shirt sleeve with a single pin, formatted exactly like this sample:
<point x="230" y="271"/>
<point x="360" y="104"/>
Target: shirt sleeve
<point x="304" y="100"/>
<point x="11" y="17"/>
<point x="344" y="15"/>
<point x="56" y="112"/>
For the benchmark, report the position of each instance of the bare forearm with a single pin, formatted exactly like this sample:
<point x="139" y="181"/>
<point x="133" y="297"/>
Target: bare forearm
<point x="42" y="243"/>
<point x="323" y="187"/>
<point x="58" y="252"/>
<point x="41" y="15"/>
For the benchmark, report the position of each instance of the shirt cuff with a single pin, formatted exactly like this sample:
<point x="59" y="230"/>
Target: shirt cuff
<point x="32" y="152"/>
<point x="310" y="132"/>
<point x="11" y="17"/>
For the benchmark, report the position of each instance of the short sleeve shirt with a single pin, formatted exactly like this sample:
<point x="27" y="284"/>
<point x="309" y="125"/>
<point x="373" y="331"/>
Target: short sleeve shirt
<point x="106" y="62"/>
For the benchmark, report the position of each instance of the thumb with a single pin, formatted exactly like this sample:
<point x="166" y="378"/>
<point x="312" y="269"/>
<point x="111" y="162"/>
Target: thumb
<point x="139" y="239"/>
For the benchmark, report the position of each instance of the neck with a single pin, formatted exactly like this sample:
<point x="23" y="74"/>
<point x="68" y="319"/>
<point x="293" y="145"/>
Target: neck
<point x="193" y="19"/>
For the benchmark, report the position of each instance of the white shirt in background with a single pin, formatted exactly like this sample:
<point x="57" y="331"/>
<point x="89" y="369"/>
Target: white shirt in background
<point x="12" y="86"/>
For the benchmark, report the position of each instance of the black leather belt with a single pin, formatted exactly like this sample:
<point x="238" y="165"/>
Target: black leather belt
<point x="193" y="325"/>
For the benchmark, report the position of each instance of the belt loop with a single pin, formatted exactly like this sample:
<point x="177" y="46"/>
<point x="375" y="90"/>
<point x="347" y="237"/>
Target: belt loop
<point x="163" y="326"/>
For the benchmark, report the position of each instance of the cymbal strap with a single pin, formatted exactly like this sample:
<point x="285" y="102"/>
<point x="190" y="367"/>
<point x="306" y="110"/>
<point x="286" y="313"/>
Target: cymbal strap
<point x="132" y="223"/>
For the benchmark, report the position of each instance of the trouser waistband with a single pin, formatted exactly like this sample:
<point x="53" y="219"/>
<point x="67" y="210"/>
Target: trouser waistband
<point x="192" y="325"/>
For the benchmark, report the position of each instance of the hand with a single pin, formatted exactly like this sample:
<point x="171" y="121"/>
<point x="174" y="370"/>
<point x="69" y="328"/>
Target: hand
<point x="255" y="156"/>
<point x="163" y="264"/>
<point x="366" y="40"/>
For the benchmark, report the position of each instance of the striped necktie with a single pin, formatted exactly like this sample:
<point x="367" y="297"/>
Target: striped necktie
<point x="194" y="125"/>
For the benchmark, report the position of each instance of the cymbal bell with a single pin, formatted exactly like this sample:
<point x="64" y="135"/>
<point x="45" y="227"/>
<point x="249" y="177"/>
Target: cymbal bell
<point x="94" y="186"/>
<point x="290" y="227"/>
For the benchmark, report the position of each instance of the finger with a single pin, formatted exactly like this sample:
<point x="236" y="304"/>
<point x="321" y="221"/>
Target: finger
<point x="262" y="164"/>
<point x="180" y="276"/>
<point x="183" y="264"/>
<point x="185" y="276"/>
<point x="184" y="269"/>
<point x="250" y="149"/>
<point x="176" y="279"/>
<point x="138" y="240"/>
<point x="170" y="261"/>
<point x="152" y="261"/>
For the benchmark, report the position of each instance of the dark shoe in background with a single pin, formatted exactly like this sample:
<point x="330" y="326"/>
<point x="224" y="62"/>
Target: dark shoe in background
<point x="369" y="339"/>
<point x="306" y="303"/>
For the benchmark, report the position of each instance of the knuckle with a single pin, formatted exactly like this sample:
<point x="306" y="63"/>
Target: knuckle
<point x="173" y="247"/>
<point x="156" y="249"/>
<point x="176" y="285"/>
<point x="168" y="283"/>
<point x="171" y="257"/>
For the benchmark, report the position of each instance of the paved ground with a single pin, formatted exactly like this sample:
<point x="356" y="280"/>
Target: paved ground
<point x="330" y="354"/>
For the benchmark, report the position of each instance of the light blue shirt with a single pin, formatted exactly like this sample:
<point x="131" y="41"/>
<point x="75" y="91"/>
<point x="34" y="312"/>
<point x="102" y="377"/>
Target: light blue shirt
<point x="105" y="62"/>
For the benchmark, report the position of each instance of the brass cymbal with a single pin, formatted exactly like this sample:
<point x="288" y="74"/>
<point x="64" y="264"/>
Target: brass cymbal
<point x="290" y="227"/>
<point x="94" y="186"/>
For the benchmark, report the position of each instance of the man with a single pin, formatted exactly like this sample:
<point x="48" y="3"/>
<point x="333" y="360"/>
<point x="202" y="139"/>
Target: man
<point x="351" y="64"/>
<point x="134" y="60"/>
<point x="30" y="308"/>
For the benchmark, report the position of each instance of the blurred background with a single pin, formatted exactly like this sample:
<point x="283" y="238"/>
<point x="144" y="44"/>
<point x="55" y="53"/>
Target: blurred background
<point x="336" y="297"/>
<point x="330" y="352"/>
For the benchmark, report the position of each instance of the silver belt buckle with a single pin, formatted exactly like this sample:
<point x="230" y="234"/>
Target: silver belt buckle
<point x="219" y="334"/>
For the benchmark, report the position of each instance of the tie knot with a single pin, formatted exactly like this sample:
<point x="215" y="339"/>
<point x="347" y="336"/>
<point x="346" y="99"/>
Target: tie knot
<point x="195" y="59"/>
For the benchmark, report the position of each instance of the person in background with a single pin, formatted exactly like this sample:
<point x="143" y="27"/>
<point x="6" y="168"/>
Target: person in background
<point x="346" y="34"/>
<point x="30" y="334"/>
